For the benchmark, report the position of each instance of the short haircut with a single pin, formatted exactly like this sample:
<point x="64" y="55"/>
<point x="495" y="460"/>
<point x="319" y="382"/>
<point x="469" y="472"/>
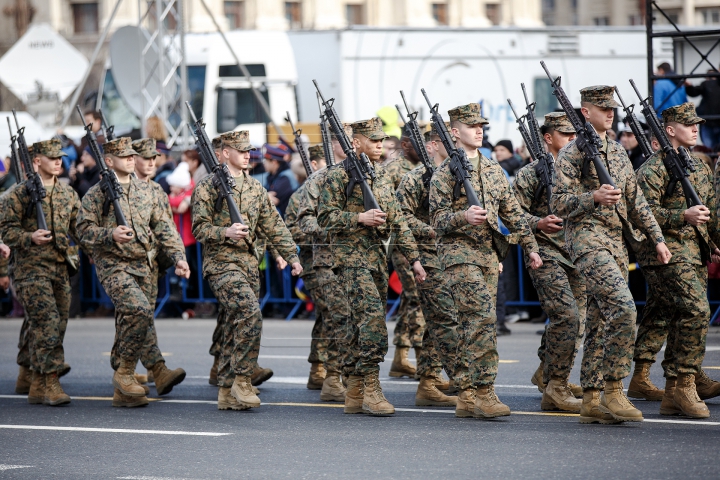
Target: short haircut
<point x="455" y="124"/>
<point x="315" y="158"/>
<point x="665" y="66"/>
<point x="546" y="129"/>
<point x="95" y="114"/>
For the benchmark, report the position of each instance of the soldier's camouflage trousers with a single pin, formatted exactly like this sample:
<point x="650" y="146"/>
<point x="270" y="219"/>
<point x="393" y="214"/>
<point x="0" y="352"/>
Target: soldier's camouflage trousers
<point x="610" y="323"/>
<point x="318" y="342"/>
<point x="366" y="339"/>
<point x="474" y="289"/>
<point x="24" y="342"/>
<point x="440" y="342"/>
<point x="237" y="294"/>
<point x="677" y="308"/>
<point x="561" y="290"/>
<point x="46" y="301"/>
<point x="410" y="325"/>
<point x="331" y="308"/>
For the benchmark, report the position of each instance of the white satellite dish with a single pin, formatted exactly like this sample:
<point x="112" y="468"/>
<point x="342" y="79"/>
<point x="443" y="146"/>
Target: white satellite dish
<point x="42" y="60"/>
<point x="126" y="48"/>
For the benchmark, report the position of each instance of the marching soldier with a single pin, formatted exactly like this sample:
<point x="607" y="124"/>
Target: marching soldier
<point x="595" y="218"/>
<point x="410" y="324"/>
<point x="230" y="265"/>
<point x="559" y="284"/>
<point x="125" y="258"/>
<point x="470" y="248"/>
<point x="677" y="292"/>
<point x="41" y="263"/>
<point x="356" y="238"/>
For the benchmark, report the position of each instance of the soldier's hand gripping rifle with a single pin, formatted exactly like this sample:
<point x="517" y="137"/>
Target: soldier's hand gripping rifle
<point x="460" y="166"/>
<point x="677" y="162"/>
<point x="222" y="180"/>
<point x="299" y="147"/>
<point x="356" y="166"/>
<point x="33" y="184"/>
<point x="418" y="144"/>
<point x="109" y="130"/>
<point x="14" y="159"/>
<point x="637" y="130"/>
<point x="587" y="140"/>
<point x="326" y="140"/>
<point x="109" y="183"/>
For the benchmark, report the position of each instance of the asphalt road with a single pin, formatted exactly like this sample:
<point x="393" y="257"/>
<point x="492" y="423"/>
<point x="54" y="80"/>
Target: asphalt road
<point x="294" y="435"/>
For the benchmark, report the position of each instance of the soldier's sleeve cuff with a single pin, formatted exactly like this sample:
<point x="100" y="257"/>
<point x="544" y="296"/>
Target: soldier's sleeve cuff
<point x="107" y="236"/>
<point x="26" y="241"/>
<point x="677" y="219"/>
<point x="458" y="220"/>
<point x="586" y="203"/>
<point x="293" y="259"/>
<point x="179" y="257"/>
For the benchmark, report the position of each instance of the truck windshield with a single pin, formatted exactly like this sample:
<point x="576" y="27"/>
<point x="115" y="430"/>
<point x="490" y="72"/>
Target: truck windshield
<point x="238" y="106"/>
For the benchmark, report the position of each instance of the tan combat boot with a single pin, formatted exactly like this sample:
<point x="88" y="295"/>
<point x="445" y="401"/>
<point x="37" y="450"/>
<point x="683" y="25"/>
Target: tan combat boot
<point x="214" y="371"/>
<point x="592" y="411"/>
<point x="227" y="402"/>
<point x="140" y="378"/>
<point x="120" y="400"/>
<point x="166" y="379"/>
<point x="317" y="376"/>
<point x="332" y="388"/>
<point x="124" y="380"/>
<point x="667" y="405"/>
<point x="418" y="352"/>
<point x="243" y="392"/>
<point x="260" y="375"/>
<point x="24" y="379"/>
<point x="706" y="387"/>
<point x="440" y="382"/>
<point x="487" y="403"/>
<point x="64" y="370"/>
<point x="401" y="365"/>
<point x="465" y="403"/>
<point x="36" y="394"/>
<point x="558" y="396"/>
<point x="354" y="395"/>
<point x="54" y="394"/>
<point x="150" y="377"/>
<point x="686" y="398"/>
<point x="374" y="402"/>
<point x="615" y="401"/>
<point x="641" y="386"/>
<point x="576" y="390"/>
<point x="428" y="395"/>
<point x="537" y="378"/>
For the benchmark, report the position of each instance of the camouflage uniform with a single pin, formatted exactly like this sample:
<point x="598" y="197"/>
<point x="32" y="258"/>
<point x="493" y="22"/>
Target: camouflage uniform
<point x="126" y="270"/>
<point x="410" y="325"/>
<point x="559" y="284"/>
<point x="231" y="266"/>
<point x="437" y="302"/>
<point x="470" y="255"/>
<point x="359" y="255"/>
<point x="40" y="272"/>
<point x="594" y="240"/>
<point x="677" y="292"/>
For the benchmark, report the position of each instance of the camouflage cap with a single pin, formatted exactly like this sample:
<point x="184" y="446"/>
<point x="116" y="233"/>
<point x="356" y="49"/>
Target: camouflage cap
<point x="683" y="113"/>
<point x="559" y="121"/>
<point x="120" y="147"/>
<point x="432" y="131"/>
<point x="372" y="128"/>
<point x="145" y="147"/>
<point x="316" y="151"/>
<point x="50" y="148"/>
<point x="239" y="140"/>
<point x="468" y="114"/>
<point x="599" y="95"/>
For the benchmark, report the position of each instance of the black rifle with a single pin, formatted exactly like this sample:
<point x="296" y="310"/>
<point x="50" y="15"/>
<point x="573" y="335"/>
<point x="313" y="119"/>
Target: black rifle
<point x="33" y="184"/>
<point x="299" y="147"/>
<point x="358" y="167"/>
<point x="677" y="162"/>
<point x="325" y="134"/>
<point x="544" y="164"/>
<point x="418" y="144"/>
<point x="587" y="140"/>
<point x="109" y="183"/>
<point x="637" y="130"/>
<point x="14" y="160"/>
<point x="222" y="180"/>
<point x="460" y="166"/>
<point x="108" y="130"/>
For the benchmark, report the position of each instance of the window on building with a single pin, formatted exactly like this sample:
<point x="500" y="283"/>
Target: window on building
<point x="85" y="17"/>
<point x="601" y="21"/>
<point x="235" y="14"/>
<point x="355" y="14"/>
<point x="548" y="12"/>
<point x="492" y="12"/>
<point x="710" y="16"/>
<point x="293" y="15"/>
<point x="440" y="13"/>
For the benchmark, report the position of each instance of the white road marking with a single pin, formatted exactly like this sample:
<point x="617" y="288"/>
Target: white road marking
<point x="682" y="422"/>
<point x="12" y="467"/>
<point x="145" y="477"/>
<point x="113" y="430"/>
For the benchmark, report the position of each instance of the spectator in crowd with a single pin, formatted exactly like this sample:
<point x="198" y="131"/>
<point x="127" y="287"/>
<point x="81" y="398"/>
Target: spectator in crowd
<point x="195" y="167"/>
<point x="8" y="176"/>
<point x="256" y="167"/>
<point x="630" y="144"/>
<point x="181" y="188"/>
<point x="612" y="135"/>
<point x="165" y="165"/>
<point x="85" y="173"/>
<point x="506" y="157"/>
<point x="666" y="92"/>
<point x="280" y="182"/>
<point x="709" y="90"/>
